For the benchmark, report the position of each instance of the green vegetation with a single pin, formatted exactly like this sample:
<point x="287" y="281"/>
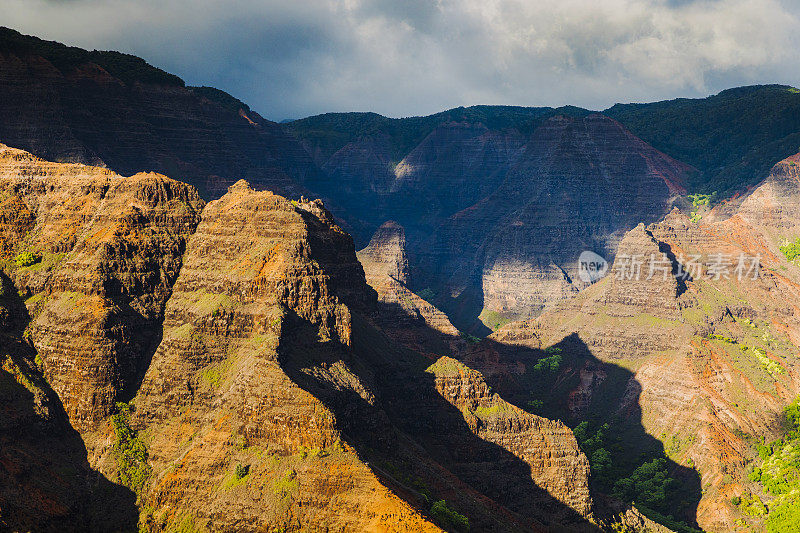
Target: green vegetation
<point x="331" y="131"/>
<point x="732" y="138"/>
<point x="185" y="524"/>
<point x="306" y="452"/>
<point x="286" y="485"/>
<point x="649" y="485"/>
<point x="20" y="376"/>
<point x="241" y="471"/>
<point x="779" y="475"/>
<point x="427" y="294"/>
<point x="448" y="518"/>
<point x="25" y="259"/>
<point x="236" y="478"/>
<point x="399" y="471"/>
<point x="491" y="411"/>
<point x="534" y="406"/>
<point x="446" y="366"/>
<point x="773" y="368"/>
<point x="212" y="376"/>
<point x="722" y="338"/>
<point x="551" y="362"/>
<point x="471" y="339"/>
<point x="130" y="69"/>
<point x="493" y="320"/>
<point x="700" y="201"/>
<point x="791" y="249"/>
<point x="131" y="453"/>
<point x="214" y="373"/>
<point x="751" y="505"/>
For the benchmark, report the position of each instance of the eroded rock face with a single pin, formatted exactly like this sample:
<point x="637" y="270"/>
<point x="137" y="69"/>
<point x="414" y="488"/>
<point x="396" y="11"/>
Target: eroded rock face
<point x="108" y="251"/>
<point x="270" y="395"/>
<point x="556" y="463"/>
<point x="407" y="317"/>
<point x="217" y="393"/>
<point x="77" y="111"/>
<point x="579" y="185"/>
<point x="46" y="483"/>
<point x="494" y="220"/>
<point x="385" y="256"/>
<point x="698" y="364"/>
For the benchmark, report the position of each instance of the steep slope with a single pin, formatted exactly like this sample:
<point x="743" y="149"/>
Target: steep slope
<point x="694" y="368"/>
<point x="105" y="108"/>
<point x="281" y="382"/>
<point x="216" y="394"/>
<point x="265" y="393"/>
<point x="104" y="251"/>
<point x="45" y="478"/>
<point x="733" y="137"/>
<point x="580" y="185"/>
<point x="404" y="315"/>
<point x="492" y="204"/>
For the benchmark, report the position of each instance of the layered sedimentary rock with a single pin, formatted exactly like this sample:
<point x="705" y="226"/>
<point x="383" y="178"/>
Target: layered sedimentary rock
<point x="265" y="393"/>
<point x="406" y="316"/>
<point x="643" y="276"/>
<point x="45" y="478"/>
<point x="556" y="464"/>
<point x="105" y="108"/>
<point x="107" y="250"/>
<point x="495" y="220"/>
<point x="580" y="185"/>
<point x="217" y="393"/>
<point x="703" y="360"/>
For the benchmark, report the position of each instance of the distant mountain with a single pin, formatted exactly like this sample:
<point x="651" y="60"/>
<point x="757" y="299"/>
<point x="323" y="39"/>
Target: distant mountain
<point x="459" y="176"/>
<point x="733" y="137"/>
<point x="106" y="108"/>
<point x="496" y="203"/>
<point x="325" y="134"/>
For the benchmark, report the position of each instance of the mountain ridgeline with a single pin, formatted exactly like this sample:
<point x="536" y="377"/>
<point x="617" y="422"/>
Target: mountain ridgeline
<point x="189" y="343"/>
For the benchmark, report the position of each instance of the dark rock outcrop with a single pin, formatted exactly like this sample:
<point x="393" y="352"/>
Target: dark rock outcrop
<point x="104" y="108"/>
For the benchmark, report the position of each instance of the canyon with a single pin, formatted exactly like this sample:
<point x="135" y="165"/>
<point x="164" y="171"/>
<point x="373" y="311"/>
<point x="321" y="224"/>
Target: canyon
<point x="214" y="322"/>
<point x="224" y="362"/>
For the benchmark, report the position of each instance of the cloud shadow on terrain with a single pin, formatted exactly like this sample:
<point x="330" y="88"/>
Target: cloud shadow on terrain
<point x="598" y="393"/>
<point x="418" y="443"/>
<point x="408" y="400"/>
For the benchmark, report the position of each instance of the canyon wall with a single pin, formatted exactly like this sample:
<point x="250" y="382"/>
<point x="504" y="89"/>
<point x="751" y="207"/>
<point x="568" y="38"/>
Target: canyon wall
<point x="224" y="366"/>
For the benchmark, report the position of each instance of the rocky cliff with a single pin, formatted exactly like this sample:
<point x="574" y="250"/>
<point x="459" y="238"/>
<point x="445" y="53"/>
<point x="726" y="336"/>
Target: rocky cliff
<point x="695" y="360"/>
<point x="580" y="185"/>
<point x="104" y="252"/>
<point x="495" y="220"/>
<point x="226" y="367"/>
<point x="105" y="108"/>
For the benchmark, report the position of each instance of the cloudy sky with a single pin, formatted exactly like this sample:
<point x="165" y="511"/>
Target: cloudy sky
<point x="294" y="58"/>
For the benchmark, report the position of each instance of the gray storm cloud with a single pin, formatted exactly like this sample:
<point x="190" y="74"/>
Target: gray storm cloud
<point x="292" y="59"/>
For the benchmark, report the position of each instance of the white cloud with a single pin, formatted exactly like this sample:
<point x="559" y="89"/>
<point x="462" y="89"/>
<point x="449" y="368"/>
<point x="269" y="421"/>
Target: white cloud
<point x="403" y="58"/>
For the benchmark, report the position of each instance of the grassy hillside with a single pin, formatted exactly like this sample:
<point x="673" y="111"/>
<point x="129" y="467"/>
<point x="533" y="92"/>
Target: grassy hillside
<point x="778" y="472"/>
<point x="733" y="138"/>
